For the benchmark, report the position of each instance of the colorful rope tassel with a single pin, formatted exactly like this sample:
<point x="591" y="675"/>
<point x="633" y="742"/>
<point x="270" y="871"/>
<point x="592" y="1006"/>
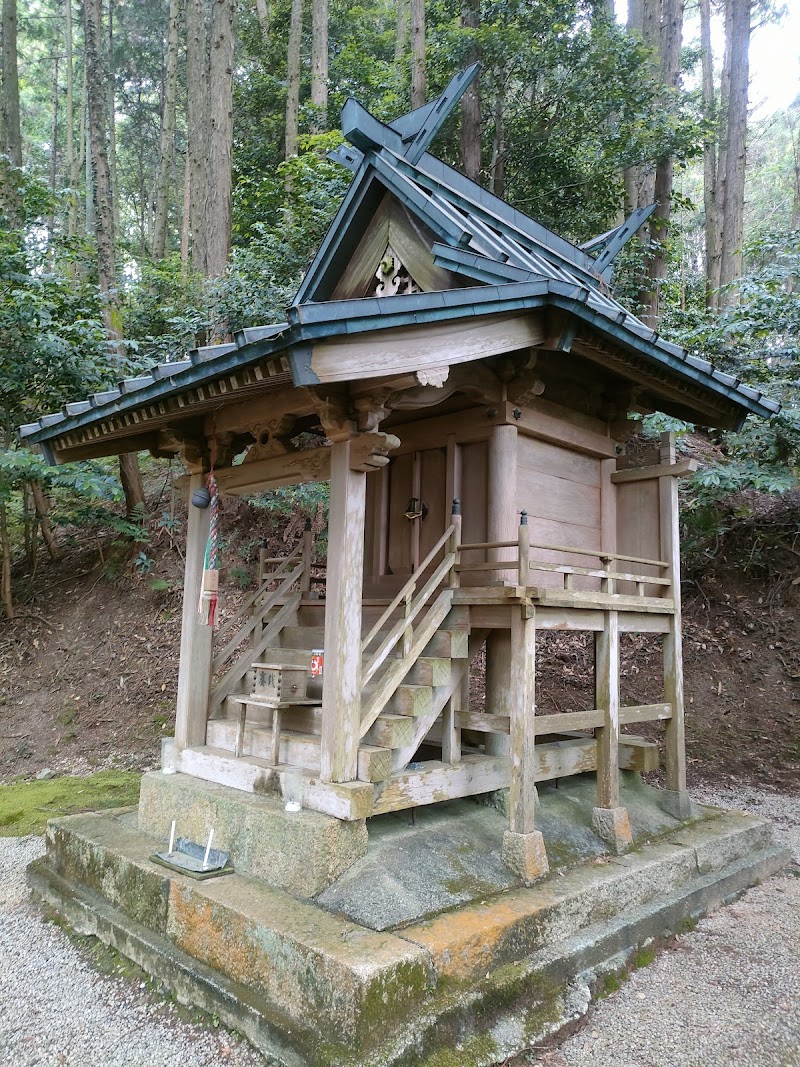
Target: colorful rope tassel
<point x="209" y="591"/>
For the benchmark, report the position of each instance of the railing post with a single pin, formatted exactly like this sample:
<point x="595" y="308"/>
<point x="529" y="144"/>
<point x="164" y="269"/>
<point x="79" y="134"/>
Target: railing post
<point x="524" y="538"/>
<point x="408" y="633"/>
<point x="607" y="585"/>
<point x="307" y="557"/>
<point x="455" y="543"/>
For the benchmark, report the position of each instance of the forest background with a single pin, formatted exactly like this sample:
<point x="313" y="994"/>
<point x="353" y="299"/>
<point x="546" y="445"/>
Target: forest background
<point x="165" y="180"/>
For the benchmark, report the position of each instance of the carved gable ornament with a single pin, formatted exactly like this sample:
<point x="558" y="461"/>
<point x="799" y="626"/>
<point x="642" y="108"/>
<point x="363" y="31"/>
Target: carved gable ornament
<point x="392" y="277"/>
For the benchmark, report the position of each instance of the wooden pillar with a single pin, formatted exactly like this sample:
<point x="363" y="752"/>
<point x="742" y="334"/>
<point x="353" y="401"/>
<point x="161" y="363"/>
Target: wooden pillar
<point x="523" y="844"/>
<point x="609" y="818"/>
<point x="501" y="517"/>
<point x="501" y="525"/>
<point x="676" y="797"/>
<point x="197" y="639"/>
<point x="341" y="688"/>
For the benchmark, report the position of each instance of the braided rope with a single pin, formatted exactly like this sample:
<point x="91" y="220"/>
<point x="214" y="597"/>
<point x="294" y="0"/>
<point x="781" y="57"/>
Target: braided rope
<point x="209" y="595"/>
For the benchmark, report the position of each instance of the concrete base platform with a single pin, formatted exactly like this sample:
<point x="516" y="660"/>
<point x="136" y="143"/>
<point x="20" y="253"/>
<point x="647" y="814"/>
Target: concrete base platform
<point x="310" y="984"/>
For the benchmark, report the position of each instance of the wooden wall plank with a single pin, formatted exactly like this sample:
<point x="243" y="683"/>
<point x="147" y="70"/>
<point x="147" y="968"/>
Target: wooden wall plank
<point x="557" y="461"/>
<point x="550" y="497"/>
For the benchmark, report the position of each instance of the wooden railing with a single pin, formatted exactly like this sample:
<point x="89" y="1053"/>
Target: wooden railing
<point x="523" y="564"/>
<point x="261" y="617"/>
<point x="422" y="613"/>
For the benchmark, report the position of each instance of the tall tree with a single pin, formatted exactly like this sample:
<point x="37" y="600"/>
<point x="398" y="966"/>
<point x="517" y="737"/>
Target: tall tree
<point x="471" y="119"/>
<point x="319" y="65"/>
<point x="11" y="136"/>
<point x="711" y="189"/>
<point x="101" y="172"/>
<point x="104" y="213"/>
<point x="737" y="63"/>
<point x="670" y="40"/>
<point x="167" y="137"/>
<point x="293" y="79"/>
<point x="197" y="118"/>
<point x="417" y="53"/>
<point x="402" y="30"/>
<point x="219" y="182"/>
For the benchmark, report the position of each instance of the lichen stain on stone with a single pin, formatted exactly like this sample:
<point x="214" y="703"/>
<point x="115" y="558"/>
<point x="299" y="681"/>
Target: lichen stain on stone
<point x="466" y="942"/>
<point x="197" y="930"/>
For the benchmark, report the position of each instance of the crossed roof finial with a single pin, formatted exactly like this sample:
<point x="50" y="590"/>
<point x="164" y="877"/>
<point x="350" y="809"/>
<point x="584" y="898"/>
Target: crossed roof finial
<point x="407" y="136"/>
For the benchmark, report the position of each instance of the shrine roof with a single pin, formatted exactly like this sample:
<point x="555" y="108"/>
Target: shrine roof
<point x="498" y="261"/>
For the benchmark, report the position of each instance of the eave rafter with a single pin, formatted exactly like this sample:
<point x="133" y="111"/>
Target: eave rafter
<point x="139" y="426"/>
<point x="660" y="381"/>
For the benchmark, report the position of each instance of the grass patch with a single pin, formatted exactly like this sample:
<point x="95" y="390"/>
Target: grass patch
<point x="644" y="957"/>
<point x="25" y="807"/>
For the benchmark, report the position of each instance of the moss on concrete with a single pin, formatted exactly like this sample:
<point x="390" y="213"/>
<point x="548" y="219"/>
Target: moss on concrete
<point x="475" y="1051"/>
<point x="25" y="807"/>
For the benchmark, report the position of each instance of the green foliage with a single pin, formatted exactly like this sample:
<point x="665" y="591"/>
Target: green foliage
<point x="52" y="342"/>
<point x="164" y="312"/>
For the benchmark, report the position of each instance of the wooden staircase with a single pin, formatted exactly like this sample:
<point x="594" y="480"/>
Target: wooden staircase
<point x="400" y="703"/>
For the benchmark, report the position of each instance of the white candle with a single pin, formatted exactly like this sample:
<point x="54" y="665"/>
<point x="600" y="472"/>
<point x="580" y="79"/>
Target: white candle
<point x="171" y="838"/>
<point x="208" y="849"/>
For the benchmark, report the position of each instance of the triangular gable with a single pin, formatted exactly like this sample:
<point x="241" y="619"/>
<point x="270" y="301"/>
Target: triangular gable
<point x="393" y="233"/>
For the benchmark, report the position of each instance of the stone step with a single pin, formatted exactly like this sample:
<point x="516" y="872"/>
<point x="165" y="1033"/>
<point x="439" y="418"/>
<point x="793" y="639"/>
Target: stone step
<point x="296" y="749"/>
<point x="483" y="937"/>
<point x="259" y="953"/>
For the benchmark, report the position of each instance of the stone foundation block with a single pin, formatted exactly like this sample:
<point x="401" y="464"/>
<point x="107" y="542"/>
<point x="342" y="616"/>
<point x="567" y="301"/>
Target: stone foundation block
<point x="525" y="855"/>
<point x="301" y="852"/>
<point x="613" y="826"/>
<point x="676" y="803"/>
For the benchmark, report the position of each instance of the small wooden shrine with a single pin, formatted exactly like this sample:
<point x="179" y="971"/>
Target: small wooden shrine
<point x="466" y="384"/>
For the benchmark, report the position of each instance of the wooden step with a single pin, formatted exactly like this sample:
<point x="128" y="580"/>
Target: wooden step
<point x="390" y="731"/>
<point x="429" y="670"/>
<point x="450" y="644"/>
<point x="411" y="700"/>
<point x="303" y="637"/>
<point x="343" y="800"/>
<point x="296" y="749"/>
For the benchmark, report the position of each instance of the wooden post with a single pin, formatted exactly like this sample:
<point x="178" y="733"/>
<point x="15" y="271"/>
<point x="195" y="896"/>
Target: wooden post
<point x="676" y="798"/>
<point x="499" y="687"/>
<point x="609" y="818"/>
<point x="197" y="639"/>
<point x="502" y="495"/>
<point x="308" y="558"/>
<point x="523" y="549"/>
<point x="523" y="844"/>
<point x="341" y="687"/>
<point x="523" y="709"/>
